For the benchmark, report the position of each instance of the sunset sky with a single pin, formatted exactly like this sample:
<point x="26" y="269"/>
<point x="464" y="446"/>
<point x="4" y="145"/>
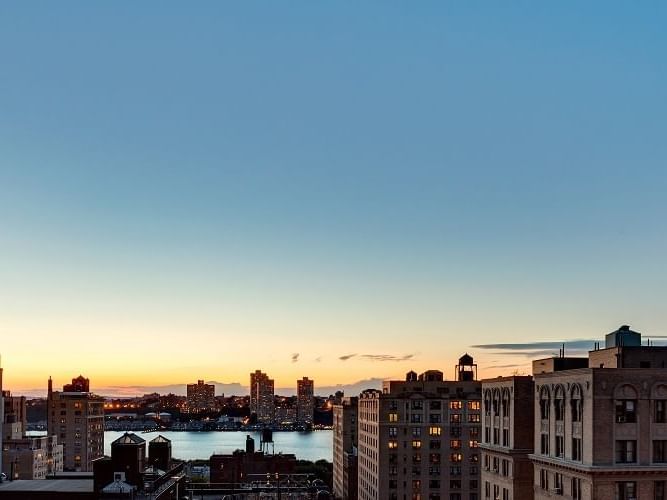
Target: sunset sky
<point x="343" y="190"/>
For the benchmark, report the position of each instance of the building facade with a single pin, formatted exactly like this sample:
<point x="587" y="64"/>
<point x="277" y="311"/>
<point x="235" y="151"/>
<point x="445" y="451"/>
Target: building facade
<point x="200" y="397"/>
<point x="507" y="438"/>
<point x="305" y="402"/>
<point x="262" y="399"/>
<point x="345" y="434"/>
<point x="601" y="432"/>
<point x="32" y="457"/>
<point x="76" y="417"/>
<point x="419" y="437"/>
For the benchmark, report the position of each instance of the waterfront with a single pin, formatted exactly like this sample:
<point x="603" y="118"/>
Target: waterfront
<point x="312" y="446"/>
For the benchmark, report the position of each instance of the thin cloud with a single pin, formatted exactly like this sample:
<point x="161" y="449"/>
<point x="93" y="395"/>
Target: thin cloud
<point x="575" y="345"/>
<point x="318" y="359"/>
<point x="346" y="357"/>
<point x="295" y="357"/>
<point x="387" y="357"/>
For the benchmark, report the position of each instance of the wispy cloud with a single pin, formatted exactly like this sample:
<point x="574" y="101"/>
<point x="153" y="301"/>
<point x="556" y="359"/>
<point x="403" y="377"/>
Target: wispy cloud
<point x="387" y="357"/>
<point x="295" y="357"/>
<point x="581" y="344"/>
<point x="318" y="359"/>
<point x="346" y="357"/>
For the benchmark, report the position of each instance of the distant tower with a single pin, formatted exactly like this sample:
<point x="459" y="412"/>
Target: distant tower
<point x="466" y="370"/>
<point x="305" y="404"/>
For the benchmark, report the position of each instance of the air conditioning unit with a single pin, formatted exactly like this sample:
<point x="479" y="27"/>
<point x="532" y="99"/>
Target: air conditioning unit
<point x="558" y="491"/>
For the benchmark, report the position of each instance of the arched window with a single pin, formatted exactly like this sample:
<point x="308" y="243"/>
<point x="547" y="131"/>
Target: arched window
<point x="559" y="403"/>
<point x="487" y="403"/>
<point x="576" y="403"/>
<point x="545" y="403"/>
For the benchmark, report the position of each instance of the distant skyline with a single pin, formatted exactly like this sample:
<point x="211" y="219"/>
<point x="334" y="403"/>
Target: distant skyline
<point x="344" y="191"/>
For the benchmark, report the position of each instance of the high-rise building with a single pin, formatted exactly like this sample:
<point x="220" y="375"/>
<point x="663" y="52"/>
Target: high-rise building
<point x="76" y="417"/>
<point x="507" y="438"/>
<point x="305" y="402"/>
<point x="262" y="402"/>
<point x="345" y="448"/>
<point x="200" y="397"/>
<point x="418" y="437"/>
<point x="601" y="431"/>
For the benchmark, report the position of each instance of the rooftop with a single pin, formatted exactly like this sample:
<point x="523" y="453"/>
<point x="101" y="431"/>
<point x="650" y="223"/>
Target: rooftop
<point x="49" y="485"/>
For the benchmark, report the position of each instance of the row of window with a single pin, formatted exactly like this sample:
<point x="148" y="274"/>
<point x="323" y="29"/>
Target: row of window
<point x="437" y="405"/>
<point x="435" y="418"/>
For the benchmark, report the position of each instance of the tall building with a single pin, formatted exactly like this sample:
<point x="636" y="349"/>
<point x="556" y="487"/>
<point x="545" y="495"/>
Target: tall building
<point x="26" y="457"/>
<point x="419" y="437"/>
<point x="507" y="438"/>
<point x="76" y="417"/>
<point x="305" y="402"/>
<point x="200" y="397"/>
<point x="601" y="431"/>
<point x="262" y="402"/>
<point x="345" y="448"/>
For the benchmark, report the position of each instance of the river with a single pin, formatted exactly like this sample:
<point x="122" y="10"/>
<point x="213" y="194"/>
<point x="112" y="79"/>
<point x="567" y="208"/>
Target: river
<point x="312" y="446"/>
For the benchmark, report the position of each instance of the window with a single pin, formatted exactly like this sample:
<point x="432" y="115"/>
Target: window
<point x="416" y="432"/>
<point x="393" y="417"/>
<point x="393" y="431"/>
<point x="434" y="431"/>
<point x="558" y="483"/>
<point x="434" y="445"/>
<point x="416" y="484"/>
<point x="544" y="479"/>
<point x="434" y="458"/>
<point x="659" y="414"/>
<point x="544" y="405"/>
<point x="455" y="431"/>
<point x="626" y="490"/>
<point x="417" y="405"/>
<point x="576" y="449"/>
<point x="456" y="457"/>
<point x="544" y="444"/>
<point x="559" y="405"/>
<point x="504" y="468"/>
<point x="626" y="411"/>
<point x="559" y="446"/>
<point x="393" y="444"/>
<point x="474" y="418"/>
<point x="576" y="407"/>
<point x="473" y="443"/>
<point x="576" y="488"/>
<point x="626" y="452"/>
<point x="416" y="418"/>
<point x="473" y="405"/>
<point x="455" y="470"/>
<point x="416" y="444"/>
<point x="434" y="484"/>
<point x="454" y="484"/>
<point x="455" y="418"/>
<point x="416" y="459"/>
<point x="455" y="444"/>
<point x="487" y="489"/>
<point x="659" y="451"/>
<point x="435" y="405"/>
<point x="456" y="405"/>
<point x="658" y="490"/>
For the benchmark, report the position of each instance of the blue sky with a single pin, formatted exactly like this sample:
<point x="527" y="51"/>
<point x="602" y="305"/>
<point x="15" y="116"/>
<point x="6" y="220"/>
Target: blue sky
<point x="228" y="184"/>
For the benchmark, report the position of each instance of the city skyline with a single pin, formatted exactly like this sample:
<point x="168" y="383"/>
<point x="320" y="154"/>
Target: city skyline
<point x="345" y="192"/>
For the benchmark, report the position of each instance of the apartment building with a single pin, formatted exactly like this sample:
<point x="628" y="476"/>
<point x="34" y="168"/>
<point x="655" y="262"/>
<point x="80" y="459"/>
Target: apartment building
<point x="419" y="437"/>
<point x="600" y="432"/>
<point x="345" y="448"/>
<point x="32" y="457"/>
<point x="200" y="397"/>
<point x="305" y="401"/>
<point x="262" y="399"/>
<point x="507" y="438"/>
<point x="76" y="417"/>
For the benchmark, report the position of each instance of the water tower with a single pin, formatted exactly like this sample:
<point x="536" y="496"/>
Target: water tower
<point x="466" y="370"/>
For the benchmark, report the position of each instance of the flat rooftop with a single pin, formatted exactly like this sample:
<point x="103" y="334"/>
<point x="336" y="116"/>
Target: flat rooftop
<point x="49" y="485"/>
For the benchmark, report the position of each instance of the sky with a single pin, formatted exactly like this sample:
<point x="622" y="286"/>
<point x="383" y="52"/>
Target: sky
<point x="339" y="190"/>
